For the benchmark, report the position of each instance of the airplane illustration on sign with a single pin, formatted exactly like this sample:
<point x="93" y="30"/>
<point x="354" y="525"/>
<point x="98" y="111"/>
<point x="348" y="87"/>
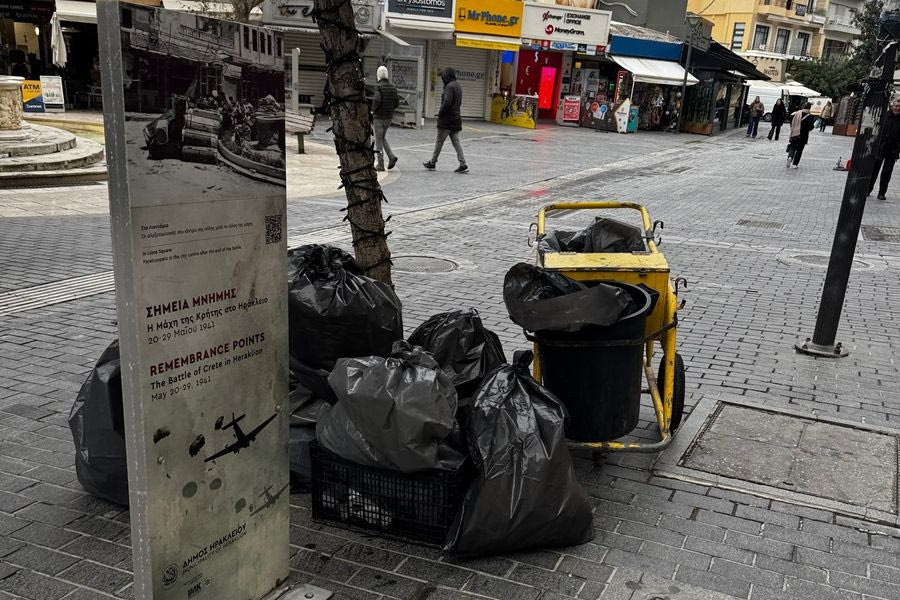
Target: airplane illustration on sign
<point x="243" y="439"/>
<point x="270" y="499"/>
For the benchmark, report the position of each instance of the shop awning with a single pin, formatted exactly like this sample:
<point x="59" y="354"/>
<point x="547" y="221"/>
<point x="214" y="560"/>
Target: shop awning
<point x="649" y="70"/>
<point x="76" y="11"/>
<point x="720" y="58"/>
<point x="208" y="8"/>
<point x="488" y="42"/>
<point x="421" y="29"/>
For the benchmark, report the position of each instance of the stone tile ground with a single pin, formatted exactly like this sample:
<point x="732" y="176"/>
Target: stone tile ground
<point x="749" y="299"/>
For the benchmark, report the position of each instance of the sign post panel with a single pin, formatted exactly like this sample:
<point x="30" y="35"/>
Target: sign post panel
<point x="197" y="206"/>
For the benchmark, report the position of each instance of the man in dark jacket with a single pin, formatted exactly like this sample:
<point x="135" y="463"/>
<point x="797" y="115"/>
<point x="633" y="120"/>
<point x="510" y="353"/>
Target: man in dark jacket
<point x="386" y="100"/>
<point x="449" y="120"/>
<point x="888" y="150"/>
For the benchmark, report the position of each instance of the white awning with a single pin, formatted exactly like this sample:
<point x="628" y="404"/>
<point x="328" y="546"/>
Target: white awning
<point x="209" y="8"/>
<point x="421" y="29"/>
<point x="649" y="70"/>
<point x="488" y="42"/>
<point x="76" y="11"/>
<point x="798" y="89"/>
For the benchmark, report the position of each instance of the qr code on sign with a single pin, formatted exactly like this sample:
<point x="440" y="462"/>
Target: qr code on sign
<point x="273" y="229"/>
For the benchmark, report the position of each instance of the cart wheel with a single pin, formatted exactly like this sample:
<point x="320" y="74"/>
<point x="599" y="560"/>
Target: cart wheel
<point x="678" y="392"/>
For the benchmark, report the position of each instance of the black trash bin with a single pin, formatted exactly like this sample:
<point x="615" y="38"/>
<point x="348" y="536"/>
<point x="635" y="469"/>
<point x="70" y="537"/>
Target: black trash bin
<point x="597" y="371"/>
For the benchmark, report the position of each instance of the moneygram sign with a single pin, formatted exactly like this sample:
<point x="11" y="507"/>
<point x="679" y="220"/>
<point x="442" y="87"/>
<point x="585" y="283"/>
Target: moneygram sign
<point x="565" y="24"/>
<point x="491" y="17"/>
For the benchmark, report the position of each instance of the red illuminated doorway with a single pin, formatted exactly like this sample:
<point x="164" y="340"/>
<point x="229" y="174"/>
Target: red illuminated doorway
<point x="539" y="74"/>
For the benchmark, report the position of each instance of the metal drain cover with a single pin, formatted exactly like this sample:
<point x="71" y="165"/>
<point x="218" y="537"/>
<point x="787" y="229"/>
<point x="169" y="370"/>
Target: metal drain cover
<point x="423" y="264"/>
<point x="820" y="260"/>
<point x="874" y="233"/>
<point x="760" y="224"/>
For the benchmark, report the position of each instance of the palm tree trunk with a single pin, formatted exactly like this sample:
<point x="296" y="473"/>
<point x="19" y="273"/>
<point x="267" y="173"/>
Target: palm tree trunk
<point x="352" y="127"/>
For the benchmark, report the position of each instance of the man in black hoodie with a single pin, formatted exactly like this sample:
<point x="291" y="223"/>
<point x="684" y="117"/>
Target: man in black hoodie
<point x="888" y="150"/>
<point x="449" y="121"/>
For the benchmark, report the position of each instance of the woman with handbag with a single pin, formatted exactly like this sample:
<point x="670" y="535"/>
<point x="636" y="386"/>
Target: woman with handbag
<point x="801" y="124"/>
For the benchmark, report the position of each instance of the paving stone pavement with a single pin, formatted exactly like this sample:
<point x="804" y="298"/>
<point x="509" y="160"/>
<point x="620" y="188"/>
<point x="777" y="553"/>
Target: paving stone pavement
<point x="736" y="220"/>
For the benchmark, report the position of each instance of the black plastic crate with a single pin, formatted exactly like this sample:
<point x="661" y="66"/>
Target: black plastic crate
<point x="417" y="507"/>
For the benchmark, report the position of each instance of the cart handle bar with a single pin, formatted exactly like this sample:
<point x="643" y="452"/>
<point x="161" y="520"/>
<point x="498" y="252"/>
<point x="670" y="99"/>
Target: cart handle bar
<point x="645" y="216"/>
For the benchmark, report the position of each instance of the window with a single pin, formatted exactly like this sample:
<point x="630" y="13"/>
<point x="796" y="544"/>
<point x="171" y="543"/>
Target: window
<point x="269" y="45"/>
<point x="834" y="49"/>
<point x="247" y="38"/>
<point x="737" y="38"/>
<point x="127" y="19"/>
<point x="254" y="37"/>
<point x="802" y="44"/>
<point x="278" y="50"/>
<point x="761" y="38"/>
<point x="781" y="41"/>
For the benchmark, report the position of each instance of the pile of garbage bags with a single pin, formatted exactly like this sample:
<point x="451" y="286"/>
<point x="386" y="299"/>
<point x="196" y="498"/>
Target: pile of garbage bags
<point x="334" y="312"/>
<point x="603" y="235"/>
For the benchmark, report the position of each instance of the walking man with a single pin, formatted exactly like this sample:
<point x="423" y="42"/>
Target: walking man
<point x="449" y="121"/>
<point x="888" y="150"/>
<point x="383" y="105"/>
<point x="756" y="111"/>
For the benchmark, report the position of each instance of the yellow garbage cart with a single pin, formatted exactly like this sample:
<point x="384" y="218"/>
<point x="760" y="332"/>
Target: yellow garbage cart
<point x="649" y="270"/>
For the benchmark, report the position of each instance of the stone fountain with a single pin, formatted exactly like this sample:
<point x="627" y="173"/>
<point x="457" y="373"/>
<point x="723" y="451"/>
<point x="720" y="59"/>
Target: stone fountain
<point x="32" y="154"/>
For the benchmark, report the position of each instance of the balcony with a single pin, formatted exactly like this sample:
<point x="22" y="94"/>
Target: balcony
<point x="841" y="26"/>
<point x="790" y="11"/>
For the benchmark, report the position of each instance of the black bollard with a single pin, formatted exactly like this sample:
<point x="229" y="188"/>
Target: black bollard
<point x="877" y="95"/>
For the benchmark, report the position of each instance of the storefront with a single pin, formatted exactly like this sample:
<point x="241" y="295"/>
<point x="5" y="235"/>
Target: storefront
<point x="487" y="36"/>
<point x="652" y="61"/>
<point x="551" y="38"/>
<point x="24" y="38"/>
<point x="716" y="103"/>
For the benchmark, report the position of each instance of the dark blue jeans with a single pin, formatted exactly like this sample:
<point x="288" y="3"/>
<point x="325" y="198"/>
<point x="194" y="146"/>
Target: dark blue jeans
<point x="753" y="126"/>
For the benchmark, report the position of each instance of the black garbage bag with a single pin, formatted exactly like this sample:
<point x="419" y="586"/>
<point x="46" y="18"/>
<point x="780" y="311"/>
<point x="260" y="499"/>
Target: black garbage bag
<point x="97" y="422"/>
<point x="299" y="440"/>
<point x="525" y="494"/>
<point x="309" y="395"/>
<point x="336" y="312"/>
<point x="392" y="413"/>
<point x="603" y="235"/>
<point x="542" y="300"/>
<point x="462" y="346"/>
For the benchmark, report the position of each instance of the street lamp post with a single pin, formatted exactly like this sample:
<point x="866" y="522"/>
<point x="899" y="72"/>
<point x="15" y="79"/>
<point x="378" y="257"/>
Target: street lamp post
<point x="877" y="89"/>
<point x="693" y="22"/>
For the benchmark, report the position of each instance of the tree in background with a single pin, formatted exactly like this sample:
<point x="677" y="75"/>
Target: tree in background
<point x="240" y="9"/>
<point x="866" y="49"/>
<point x="829" y="77"/>
<point x="345" y="101"/>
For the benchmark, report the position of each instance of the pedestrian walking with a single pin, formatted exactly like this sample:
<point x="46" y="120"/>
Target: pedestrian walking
<point x="383" y="105"/>
<point x="779" y="114"/>
<point x="888" y="150"/>
<point x="449" y="121"/>
<point x="825" y="117"/>
<point x="801" y="124"/>
<point x="756" y="112"/>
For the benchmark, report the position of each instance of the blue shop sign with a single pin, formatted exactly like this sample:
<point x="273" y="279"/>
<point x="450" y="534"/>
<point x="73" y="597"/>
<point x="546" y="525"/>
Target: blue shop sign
<point x="626" y="46"/>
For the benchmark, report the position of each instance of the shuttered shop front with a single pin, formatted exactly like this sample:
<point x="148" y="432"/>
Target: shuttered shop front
<point x="471" y="66"/>
<point x="312" y="64"/>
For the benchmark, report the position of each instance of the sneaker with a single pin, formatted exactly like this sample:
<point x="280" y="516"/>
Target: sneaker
<point x="881" y="197"/>
<point x="379" y="168"/>
<point x="795" y="166"/>
<point x="429" y="165"/>
<point x="392" y="163"/>
<point x="462" y="169"/>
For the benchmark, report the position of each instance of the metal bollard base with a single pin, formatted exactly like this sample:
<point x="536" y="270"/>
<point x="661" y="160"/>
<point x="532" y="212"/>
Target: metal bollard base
<point x="808" y="347"/>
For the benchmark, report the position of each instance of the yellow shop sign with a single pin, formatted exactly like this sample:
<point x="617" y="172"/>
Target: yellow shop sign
<point x="491" y="17"/>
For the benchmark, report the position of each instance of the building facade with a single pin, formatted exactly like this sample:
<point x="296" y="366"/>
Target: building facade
<point x="840" y="32"/>
<point x="768" y="32"/>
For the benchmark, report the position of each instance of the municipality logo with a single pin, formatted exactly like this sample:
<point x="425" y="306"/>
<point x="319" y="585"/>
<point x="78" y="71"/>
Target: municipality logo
<point x="169" y="576"/>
